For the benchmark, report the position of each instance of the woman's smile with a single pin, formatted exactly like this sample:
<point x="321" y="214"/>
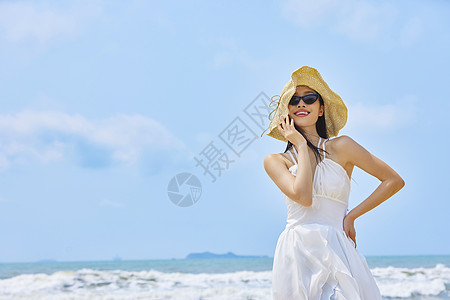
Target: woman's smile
<point x="301" y="113"/>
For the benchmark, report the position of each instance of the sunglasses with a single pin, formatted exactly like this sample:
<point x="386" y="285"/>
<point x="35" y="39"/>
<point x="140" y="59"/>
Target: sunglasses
<point x="308" y="99"/>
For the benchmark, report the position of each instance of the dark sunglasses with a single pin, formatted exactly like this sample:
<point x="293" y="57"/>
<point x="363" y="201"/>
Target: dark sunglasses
<point x="308" y="99"/>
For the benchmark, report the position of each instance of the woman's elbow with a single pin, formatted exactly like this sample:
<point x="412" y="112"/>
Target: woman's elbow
<point x="400" y="182"/>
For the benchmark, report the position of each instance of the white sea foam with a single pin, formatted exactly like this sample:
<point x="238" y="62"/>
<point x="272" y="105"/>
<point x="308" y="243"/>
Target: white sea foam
<point x="94" y="284"/>
<point x="118" y="284"/>
<point x="408" y="282"/>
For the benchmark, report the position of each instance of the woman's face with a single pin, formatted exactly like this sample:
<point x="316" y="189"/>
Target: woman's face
<point x="314" y="110"/>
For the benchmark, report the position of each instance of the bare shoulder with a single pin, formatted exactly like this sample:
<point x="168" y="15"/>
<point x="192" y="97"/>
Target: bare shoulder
<point x="340" y="148"/>
<point x="353" y="154"/>
<point x="341" y="143"/>
<point x="348" y="149"/>
<point x="278" y="159"/>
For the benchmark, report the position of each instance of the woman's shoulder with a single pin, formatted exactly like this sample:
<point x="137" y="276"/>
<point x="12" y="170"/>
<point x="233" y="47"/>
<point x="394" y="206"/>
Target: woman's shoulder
<point x="342" y="141"/>
<point x="278" y="158"/>
<point x="342" y="147"/>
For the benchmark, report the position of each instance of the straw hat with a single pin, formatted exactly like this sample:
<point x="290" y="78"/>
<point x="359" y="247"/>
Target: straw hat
<point x="335" y="109"/>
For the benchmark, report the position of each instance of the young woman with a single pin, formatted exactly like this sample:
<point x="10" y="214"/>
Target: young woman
<point x="316" y="256"/>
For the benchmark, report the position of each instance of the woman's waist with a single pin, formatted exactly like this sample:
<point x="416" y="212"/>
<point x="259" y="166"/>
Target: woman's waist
<point x="341" y="200"/>
<point x="315" y="226"/>
<point x="336" y="223"/>
<point x="321" y="211"/>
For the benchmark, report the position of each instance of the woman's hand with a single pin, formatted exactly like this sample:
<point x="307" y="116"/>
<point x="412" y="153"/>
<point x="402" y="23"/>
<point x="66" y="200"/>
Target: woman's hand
<point x="349" y="228"/>
<point x="289" y="132"/>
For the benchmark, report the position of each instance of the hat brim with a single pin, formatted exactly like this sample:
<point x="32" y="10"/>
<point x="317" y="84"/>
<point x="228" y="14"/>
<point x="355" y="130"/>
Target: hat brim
<point x="335" y="109"/>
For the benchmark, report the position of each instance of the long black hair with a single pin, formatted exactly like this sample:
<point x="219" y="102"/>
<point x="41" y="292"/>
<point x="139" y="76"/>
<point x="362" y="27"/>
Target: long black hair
<point x="321" y="130"/>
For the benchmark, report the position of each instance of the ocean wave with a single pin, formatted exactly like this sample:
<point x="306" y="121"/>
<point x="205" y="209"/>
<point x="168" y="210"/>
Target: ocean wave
<point x="411" y="282"/>
<point x="119" y="284"/>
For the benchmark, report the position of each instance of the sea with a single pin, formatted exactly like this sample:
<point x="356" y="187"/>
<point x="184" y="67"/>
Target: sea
<point x="398" y="277"/>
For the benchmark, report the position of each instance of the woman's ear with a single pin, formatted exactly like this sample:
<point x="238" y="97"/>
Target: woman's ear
<point x="321" y="110"/>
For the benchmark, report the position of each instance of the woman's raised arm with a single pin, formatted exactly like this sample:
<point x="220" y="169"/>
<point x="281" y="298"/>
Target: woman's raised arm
<point x="299" y="187"/>
<point x="391" y="182"/>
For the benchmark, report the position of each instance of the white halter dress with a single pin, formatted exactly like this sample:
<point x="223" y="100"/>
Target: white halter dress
<point x="314" y="259"/>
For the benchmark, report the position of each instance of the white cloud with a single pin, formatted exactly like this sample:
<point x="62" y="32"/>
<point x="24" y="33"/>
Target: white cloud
<point x="41" y="23"/>
<point x="309" y="14"/>
<point x="230" y="52"/>
<point x="411" y="31"/>
<point x="391" y="116"/>
<point x="162" y="19"/>
<point x="358" y="20"/>
<point x="203" y="138"/>
<point x="365" y="21"/>
<point x="49" y="136"/>
<point x="107" y="202"/>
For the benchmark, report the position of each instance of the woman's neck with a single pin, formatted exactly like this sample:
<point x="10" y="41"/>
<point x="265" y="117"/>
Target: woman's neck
<point x="312" y="136"/>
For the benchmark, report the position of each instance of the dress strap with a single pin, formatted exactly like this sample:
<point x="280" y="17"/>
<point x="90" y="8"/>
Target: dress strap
<point x="318" y="144"/>
<point x="324" y="147"/>
<point x="295" y="152"/>
<point x="290" y="154"/>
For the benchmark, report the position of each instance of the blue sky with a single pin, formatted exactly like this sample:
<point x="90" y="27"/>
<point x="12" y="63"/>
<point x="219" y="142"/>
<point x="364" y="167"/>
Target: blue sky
<point x="104" y="102"/>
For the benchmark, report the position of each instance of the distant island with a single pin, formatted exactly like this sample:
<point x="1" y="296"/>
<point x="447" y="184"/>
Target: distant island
<point x="214" y="255"/>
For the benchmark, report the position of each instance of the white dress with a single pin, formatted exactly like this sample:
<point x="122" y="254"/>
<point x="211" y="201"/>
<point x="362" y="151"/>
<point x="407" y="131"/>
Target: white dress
<point x="314" y="259"/>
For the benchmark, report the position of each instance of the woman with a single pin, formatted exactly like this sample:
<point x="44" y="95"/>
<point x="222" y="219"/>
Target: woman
<point x="316" y="256"/>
